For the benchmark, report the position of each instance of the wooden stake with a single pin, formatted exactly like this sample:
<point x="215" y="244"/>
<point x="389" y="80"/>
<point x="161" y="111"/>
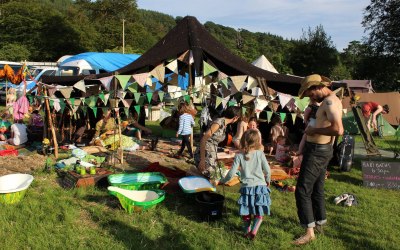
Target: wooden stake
<point x="53" y="132"/>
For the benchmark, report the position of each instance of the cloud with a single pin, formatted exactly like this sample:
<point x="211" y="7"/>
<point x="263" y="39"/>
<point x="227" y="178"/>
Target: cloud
<point x="341" y="19"/>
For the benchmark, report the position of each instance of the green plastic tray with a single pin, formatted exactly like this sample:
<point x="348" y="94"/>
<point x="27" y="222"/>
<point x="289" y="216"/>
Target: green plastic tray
<point x="131" y="206"/>
<point x="137" y="181"/>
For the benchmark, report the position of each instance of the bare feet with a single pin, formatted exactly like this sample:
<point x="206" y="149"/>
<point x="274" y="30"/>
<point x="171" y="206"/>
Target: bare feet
<point x="305" y="239"/>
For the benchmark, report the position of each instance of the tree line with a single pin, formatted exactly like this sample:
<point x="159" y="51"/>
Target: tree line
<point x="45" y="30"/>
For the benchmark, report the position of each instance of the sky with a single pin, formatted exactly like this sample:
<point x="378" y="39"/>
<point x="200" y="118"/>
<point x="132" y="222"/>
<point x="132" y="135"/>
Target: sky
<point x="341" y="19"/>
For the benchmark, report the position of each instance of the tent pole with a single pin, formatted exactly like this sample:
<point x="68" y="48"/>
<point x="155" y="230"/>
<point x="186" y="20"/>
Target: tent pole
<point x="53" y="132"/>
<point x="190" y="94"/>
<point x="121" y="154"/>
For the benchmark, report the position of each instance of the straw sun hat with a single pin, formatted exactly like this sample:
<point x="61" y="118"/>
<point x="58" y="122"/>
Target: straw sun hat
<point x="313" y="80"/>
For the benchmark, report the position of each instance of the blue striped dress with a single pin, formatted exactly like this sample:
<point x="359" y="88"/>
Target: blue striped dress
<point x="186" y="122"/>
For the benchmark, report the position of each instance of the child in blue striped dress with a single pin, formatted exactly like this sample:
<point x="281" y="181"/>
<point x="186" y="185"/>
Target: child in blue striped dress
<point x="186" y="122"/>
<point x="254" y="197"/>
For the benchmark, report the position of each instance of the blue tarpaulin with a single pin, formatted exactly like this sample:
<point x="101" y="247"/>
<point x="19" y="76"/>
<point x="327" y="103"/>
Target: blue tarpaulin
<point x="107" y="61"/>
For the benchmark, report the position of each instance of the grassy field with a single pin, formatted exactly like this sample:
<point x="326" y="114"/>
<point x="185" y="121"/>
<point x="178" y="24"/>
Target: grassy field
<point x="51" y="217"/>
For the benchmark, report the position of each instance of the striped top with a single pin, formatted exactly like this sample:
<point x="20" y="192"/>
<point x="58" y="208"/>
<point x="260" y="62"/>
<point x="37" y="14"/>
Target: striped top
<point x="186" y="123"/>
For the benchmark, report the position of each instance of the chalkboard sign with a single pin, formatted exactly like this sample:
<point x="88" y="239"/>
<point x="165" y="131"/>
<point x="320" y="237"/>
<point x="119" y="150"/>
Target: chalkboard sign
<point x="377" y="174"/>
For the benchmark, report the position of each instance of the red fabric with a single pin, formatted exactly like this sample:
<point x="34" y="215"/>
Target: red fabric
<point x="368" y="108"/>
<point x="168" y="172"/>
<point x="6" y="152"/>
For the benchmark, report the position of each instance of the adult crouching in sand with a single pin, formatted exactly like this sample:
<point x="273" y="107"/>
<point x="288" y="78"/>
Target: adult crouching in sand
<point x="205" y="156"/>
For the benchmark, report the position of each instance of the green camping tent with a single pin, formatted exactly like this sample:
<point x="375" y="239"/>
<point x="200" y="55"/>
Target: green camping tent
<point x="350" y="125"/>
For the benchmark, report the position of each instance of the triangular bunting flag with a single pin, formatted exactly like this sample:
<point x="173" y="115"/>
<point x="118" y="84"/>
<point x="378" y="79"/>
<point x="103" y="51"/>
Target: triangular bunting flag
<point x="225" y="82"/>
<point x="247" y="98"/>
<point x="106" y="82"/>
<point x="218" y="101"/>
<point x="51" y="103"/>
<point x="80" y="85"/>
<point x="159" y="72"/>
<point x="301" y="103"/>
<point x="137" y="96"/>
<point x="221" y="75"/>
<point x="161" y="95"/>
<point x="141" y="78"/>
<point x="294" y="115"/>
<point x="208" y="69"/>
<point x="137" y="109"/>
<point x="283" y="116"/>
<point x="238" y="82"/>
<point x="106" y="97"/>
<point x="102" y="98"/>
<point x="127" y="102"/>
<point x="149" y="96"/>
<point x="94" y="111"/>
<point x="269" y="115"/>
<point x="173" y="66"/>
<point x="51" y="90"/>
<point x="72" y="102"/>
<point x="243" y="111"/>
<point x="84" y="110"/>
<point x="123" y="80"/>
<point x="184" y="57"/>
<point x="126" y="110"/>
<point x="62" y="105"/>
<point x="256" y="91"/>
<point x="251" y="83"/>
<point x="260" y="104"/>
<point x="284" y="99"/>
<point x="133" y="88"/>
<point x="121" y="94"/>
<point x="66" y="92"/>
<point x="187" y="98"/>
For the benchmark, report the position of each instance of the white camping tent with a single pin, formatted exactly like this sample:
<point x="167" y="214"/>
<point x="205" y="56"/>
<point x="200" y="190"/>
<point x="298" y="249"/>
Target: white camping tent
<point x="263" y="63"/>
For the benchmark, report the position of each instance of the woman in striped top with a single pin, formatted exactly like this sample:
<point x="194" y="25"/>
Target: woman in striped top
<point x="186" y="122"/>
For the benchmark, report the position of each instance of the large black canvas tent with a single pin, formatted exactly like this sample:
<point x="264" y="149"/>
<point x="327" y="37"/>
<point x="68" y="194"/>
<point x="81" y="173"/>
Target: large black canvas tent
<point x="189" y="34"/>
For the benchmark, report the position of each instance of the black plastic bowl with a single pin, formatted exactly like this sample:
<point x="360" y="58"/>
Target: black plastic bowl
<point x="210" y="205"/>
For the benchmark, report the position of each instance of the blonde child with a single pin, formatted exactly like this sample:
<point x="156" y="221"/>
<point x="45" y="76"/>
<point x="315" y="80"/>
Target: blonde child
<point x="254" y="197"/>
<point x="186" y="122"/>
<point x="279" y="129"/>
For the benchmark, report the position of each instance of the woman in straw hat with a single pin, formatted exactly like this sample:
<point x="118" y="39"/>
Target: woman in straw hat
<point x="318" y="151"/>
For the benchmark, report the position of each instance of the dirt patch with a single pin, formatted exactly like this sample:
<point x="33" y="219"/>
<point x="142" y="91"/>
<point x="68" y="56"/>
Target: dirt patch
<point x="21" y="164"/>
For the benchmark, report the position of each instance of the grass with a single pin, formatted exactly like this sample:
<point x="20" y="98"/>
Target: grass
<point x="50" y="217"/>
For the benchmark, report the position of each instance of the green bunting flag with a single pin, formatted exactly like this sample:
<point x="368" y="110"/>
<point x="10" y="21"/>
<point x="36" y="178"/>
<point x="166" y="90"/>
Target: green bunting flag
<point x="62" y="105"/>
<point x="301" y="103"/>
<point x="243" y="110"/>
<point x="137" y="97"/>
<point x="72" y="100"/>
<point x="149" y="96"/>
<point x="161" y="95"/>
<point x="218" y="101"/>
<point x="225" y="82"/>
<point x="126" y="110"/>
<point x="137" y="109"/>
<point x="187" y="98"/>
<point x="269" y="115"/>
<point x="102" y="98"/>
<point x="94" y="111"/>
<point x="133" y="88"/>
<point x="123" y="80"/>
<point x="208" y="69"/>
<point x="51" y="103"/>
<point x="283" y="116"/>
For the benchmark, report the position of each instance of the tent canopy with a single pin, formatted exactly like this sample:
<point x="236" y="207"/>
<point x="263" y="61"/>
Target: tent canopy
<point x="189" y="34"/>
<point x="358" y="86"/>
<point x="263" y="63"/>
